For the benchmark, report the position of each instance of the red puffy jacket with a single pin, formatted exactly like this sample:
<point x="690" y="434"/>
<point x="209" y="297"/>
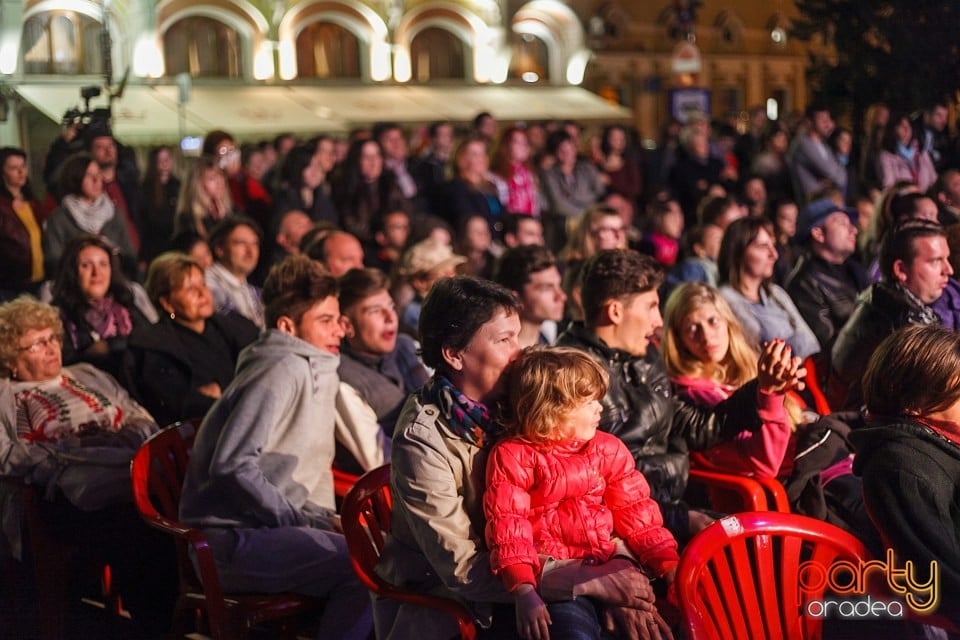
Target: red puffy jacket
<point x="569" y="500"/>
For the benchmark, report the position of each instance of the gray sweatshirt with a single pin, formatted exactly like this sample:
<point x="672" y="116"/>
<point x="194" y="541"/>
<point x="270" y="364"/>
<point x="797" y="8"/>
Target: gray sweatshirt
<point x="263" y="453"/>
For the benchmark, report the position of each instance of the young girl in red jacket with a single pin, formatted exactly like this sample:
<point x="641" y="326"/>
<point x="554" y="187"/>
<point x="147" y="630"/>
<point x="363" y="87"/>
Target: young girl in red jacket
<point x="558" y="487"/>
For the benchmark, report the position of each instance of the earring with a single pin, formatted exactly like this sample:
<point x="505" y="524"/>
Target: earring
<point x="173" y="316"/>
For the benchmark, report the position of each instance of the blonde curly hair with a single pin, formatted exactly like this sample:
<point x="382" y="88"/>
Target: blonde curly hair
<point x="16" y="318"/>
<point x="546" y="383"/>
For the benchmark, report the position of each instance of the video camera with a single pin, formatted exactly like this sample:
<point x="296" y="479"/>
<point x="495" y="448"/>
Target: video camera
<point x="82" y="119"/>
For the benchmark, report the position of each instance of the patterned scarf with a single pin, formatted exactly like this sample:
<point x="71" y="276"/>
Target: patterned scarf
<point x="469" y="420"/>
<point x="108" y="318"/>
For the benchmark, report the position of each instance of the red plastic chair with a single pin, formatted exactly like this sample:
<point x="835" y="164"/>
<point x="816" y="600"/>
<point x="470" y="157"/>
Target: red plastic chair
<point x="813" y="385"/>
<point x="739" y="578"/>
<point x="733" y="493"/>
<point x="365" y="516"/>
<point x="343" y="482"/>
<point x="158" y="471"/>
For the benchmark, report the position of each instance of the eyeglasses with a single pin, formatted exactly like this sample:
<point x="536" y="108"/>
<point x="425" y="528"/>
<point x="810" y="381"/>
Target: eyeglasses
<point x="40" y="344"/>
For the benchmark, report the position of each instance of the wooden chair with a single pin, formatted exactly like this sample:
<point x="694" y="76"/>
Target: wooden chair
<point x="740" y="578"/>
<point x="733" y="493"/>
<point x="158" y="471"/>
<point x="366" y="517"/>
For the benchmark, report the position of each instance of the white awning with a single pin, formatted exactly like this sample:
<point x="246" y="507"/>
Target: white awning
<point x="150" y="113"/>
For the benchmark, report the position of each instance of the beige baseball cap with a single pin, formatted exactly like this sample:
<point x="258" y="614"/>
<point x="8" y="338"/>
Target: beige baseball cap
<point x="426" y="256"/>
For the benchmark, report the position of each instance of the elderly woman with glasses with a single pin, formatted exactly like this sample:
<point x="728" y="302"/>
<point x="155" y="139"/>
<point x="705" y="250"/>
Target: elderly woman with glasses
<point x="73" y="429"/>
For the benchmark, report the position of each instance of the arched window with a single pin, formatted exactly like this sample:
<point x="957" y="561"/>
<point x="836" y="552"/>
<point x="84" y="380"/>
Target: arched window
<point x="730" y="29"/>
<point x="530" y="59"/>
<point x="327" y="50"/>
<point x="202" y="47"/>
<point x="63" y="42"/>
<point x="437" y="54"/>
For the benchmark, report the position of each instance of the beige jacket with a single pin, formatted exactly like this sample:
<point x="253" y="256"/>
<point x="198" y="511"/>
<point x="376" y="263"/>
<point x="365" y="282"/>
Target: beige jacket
<point x="437" y="544"/>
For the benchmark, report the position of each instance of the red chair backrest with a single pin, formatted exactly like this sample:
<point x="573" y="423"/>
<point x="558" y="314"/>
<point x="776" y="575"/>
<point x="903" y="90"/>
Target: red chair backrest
<point x="366" y="520"/>
<point x="812" y="381"/>
<point x="740" y="577"/>
<point x="157" y="471"/>
<point x="365" y="517"/>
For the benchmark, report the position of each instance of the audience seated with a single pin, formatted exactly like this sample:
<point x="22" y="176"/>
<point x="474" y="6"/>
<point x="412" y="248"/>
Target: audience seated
<point x="70" y="429"/>
<point x="531" y="273"/>
<point x="378" y="369"/>
<point x="569" y="186"/>
<point x="421" y="266"/>
<point x="907" y="455"/>
<point x="98" y="307"/>
<point x="827" y="279"/>
<point x="471" y="191"/>
<point x="520" y="229"/>
<point x="259" y="481"/>
<point x="708" y="359"/>
<point x="364" y="190"/>
<point x="179" y="366"/>
<point x="204" y="198"/>
<point x="764" y="309"/>
<point x="391" y="232"/>
<point x="622" y="316"/>
<point x="514" y="173"/>
<point x="84" y="208"/>
<point x="235" y="243"/>
<point x="338" y="251"/>
<point x="436" y="542"/>
<point x="301" y="185"/>
<point x="914" y="261"/>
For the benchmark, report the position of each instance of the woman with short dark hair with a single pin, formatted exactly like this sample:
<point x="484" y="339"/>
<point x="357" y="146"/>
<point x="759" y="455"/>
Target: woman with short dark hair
<point x="85" y="207"/>
<point x="437" y="480"/>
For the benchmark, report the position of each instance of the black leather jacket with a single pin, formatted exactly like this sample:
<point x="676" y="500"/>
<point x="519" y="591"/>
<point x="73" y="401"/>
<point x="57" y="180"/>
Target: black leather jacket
<point x="826" y="294"/>
<point x="658" y="427"/>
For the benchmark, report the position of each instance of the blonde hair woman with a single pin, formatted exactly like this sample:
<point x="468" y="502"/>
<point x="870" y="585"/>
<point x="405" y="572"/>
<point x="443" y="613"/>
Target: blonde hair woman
<point x="708" y="358"/>
<point x="204" y="198"/>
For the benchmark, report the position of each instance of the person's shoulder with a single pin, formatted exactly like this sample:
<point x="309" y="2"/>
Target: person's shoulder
<point x="90" y="375"/>
<point x="418" y="420"/>
<point x="235" y="326"/>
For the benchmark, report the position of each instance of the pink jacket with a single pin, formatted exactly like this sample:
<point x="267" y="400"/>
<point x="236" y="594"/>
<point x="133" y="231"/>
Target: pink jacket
<point x="756" y="452"/>
<point x="569" y="500"/>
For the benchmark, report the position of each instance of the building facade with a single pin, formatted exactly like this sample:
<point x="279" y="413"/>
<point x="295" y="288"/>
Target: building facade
<point x="186" y="61"/>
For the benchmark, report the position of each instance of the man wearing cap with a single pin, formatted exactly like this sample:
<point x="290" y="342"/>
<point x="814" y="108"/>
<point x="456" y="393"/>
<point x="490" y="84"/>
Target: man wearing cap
<point x="914" y="261"/>
<point x="826" y="280"/>
<point x="422" y="265"/>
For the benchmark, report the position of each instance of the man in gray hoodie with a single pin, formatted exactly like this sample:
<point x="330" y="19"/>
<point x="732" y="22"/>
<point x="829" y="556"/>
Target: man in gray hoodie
<point x="259" y="482"/>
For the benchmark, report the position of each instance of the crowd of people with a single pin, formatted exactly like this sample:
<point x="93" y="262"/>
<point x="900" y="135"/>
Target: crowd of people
<point x="482" y="310"/>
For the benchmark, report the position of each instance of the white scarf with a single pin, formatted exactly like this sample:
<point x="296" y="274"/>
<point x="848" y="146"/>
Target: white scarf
<point x="90" y="217"/>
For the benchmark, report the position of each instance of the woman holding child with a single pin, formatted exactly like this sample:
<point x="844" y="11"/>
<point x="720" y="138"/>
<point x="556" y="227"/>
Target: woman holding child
<point x="438" y="465"/>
